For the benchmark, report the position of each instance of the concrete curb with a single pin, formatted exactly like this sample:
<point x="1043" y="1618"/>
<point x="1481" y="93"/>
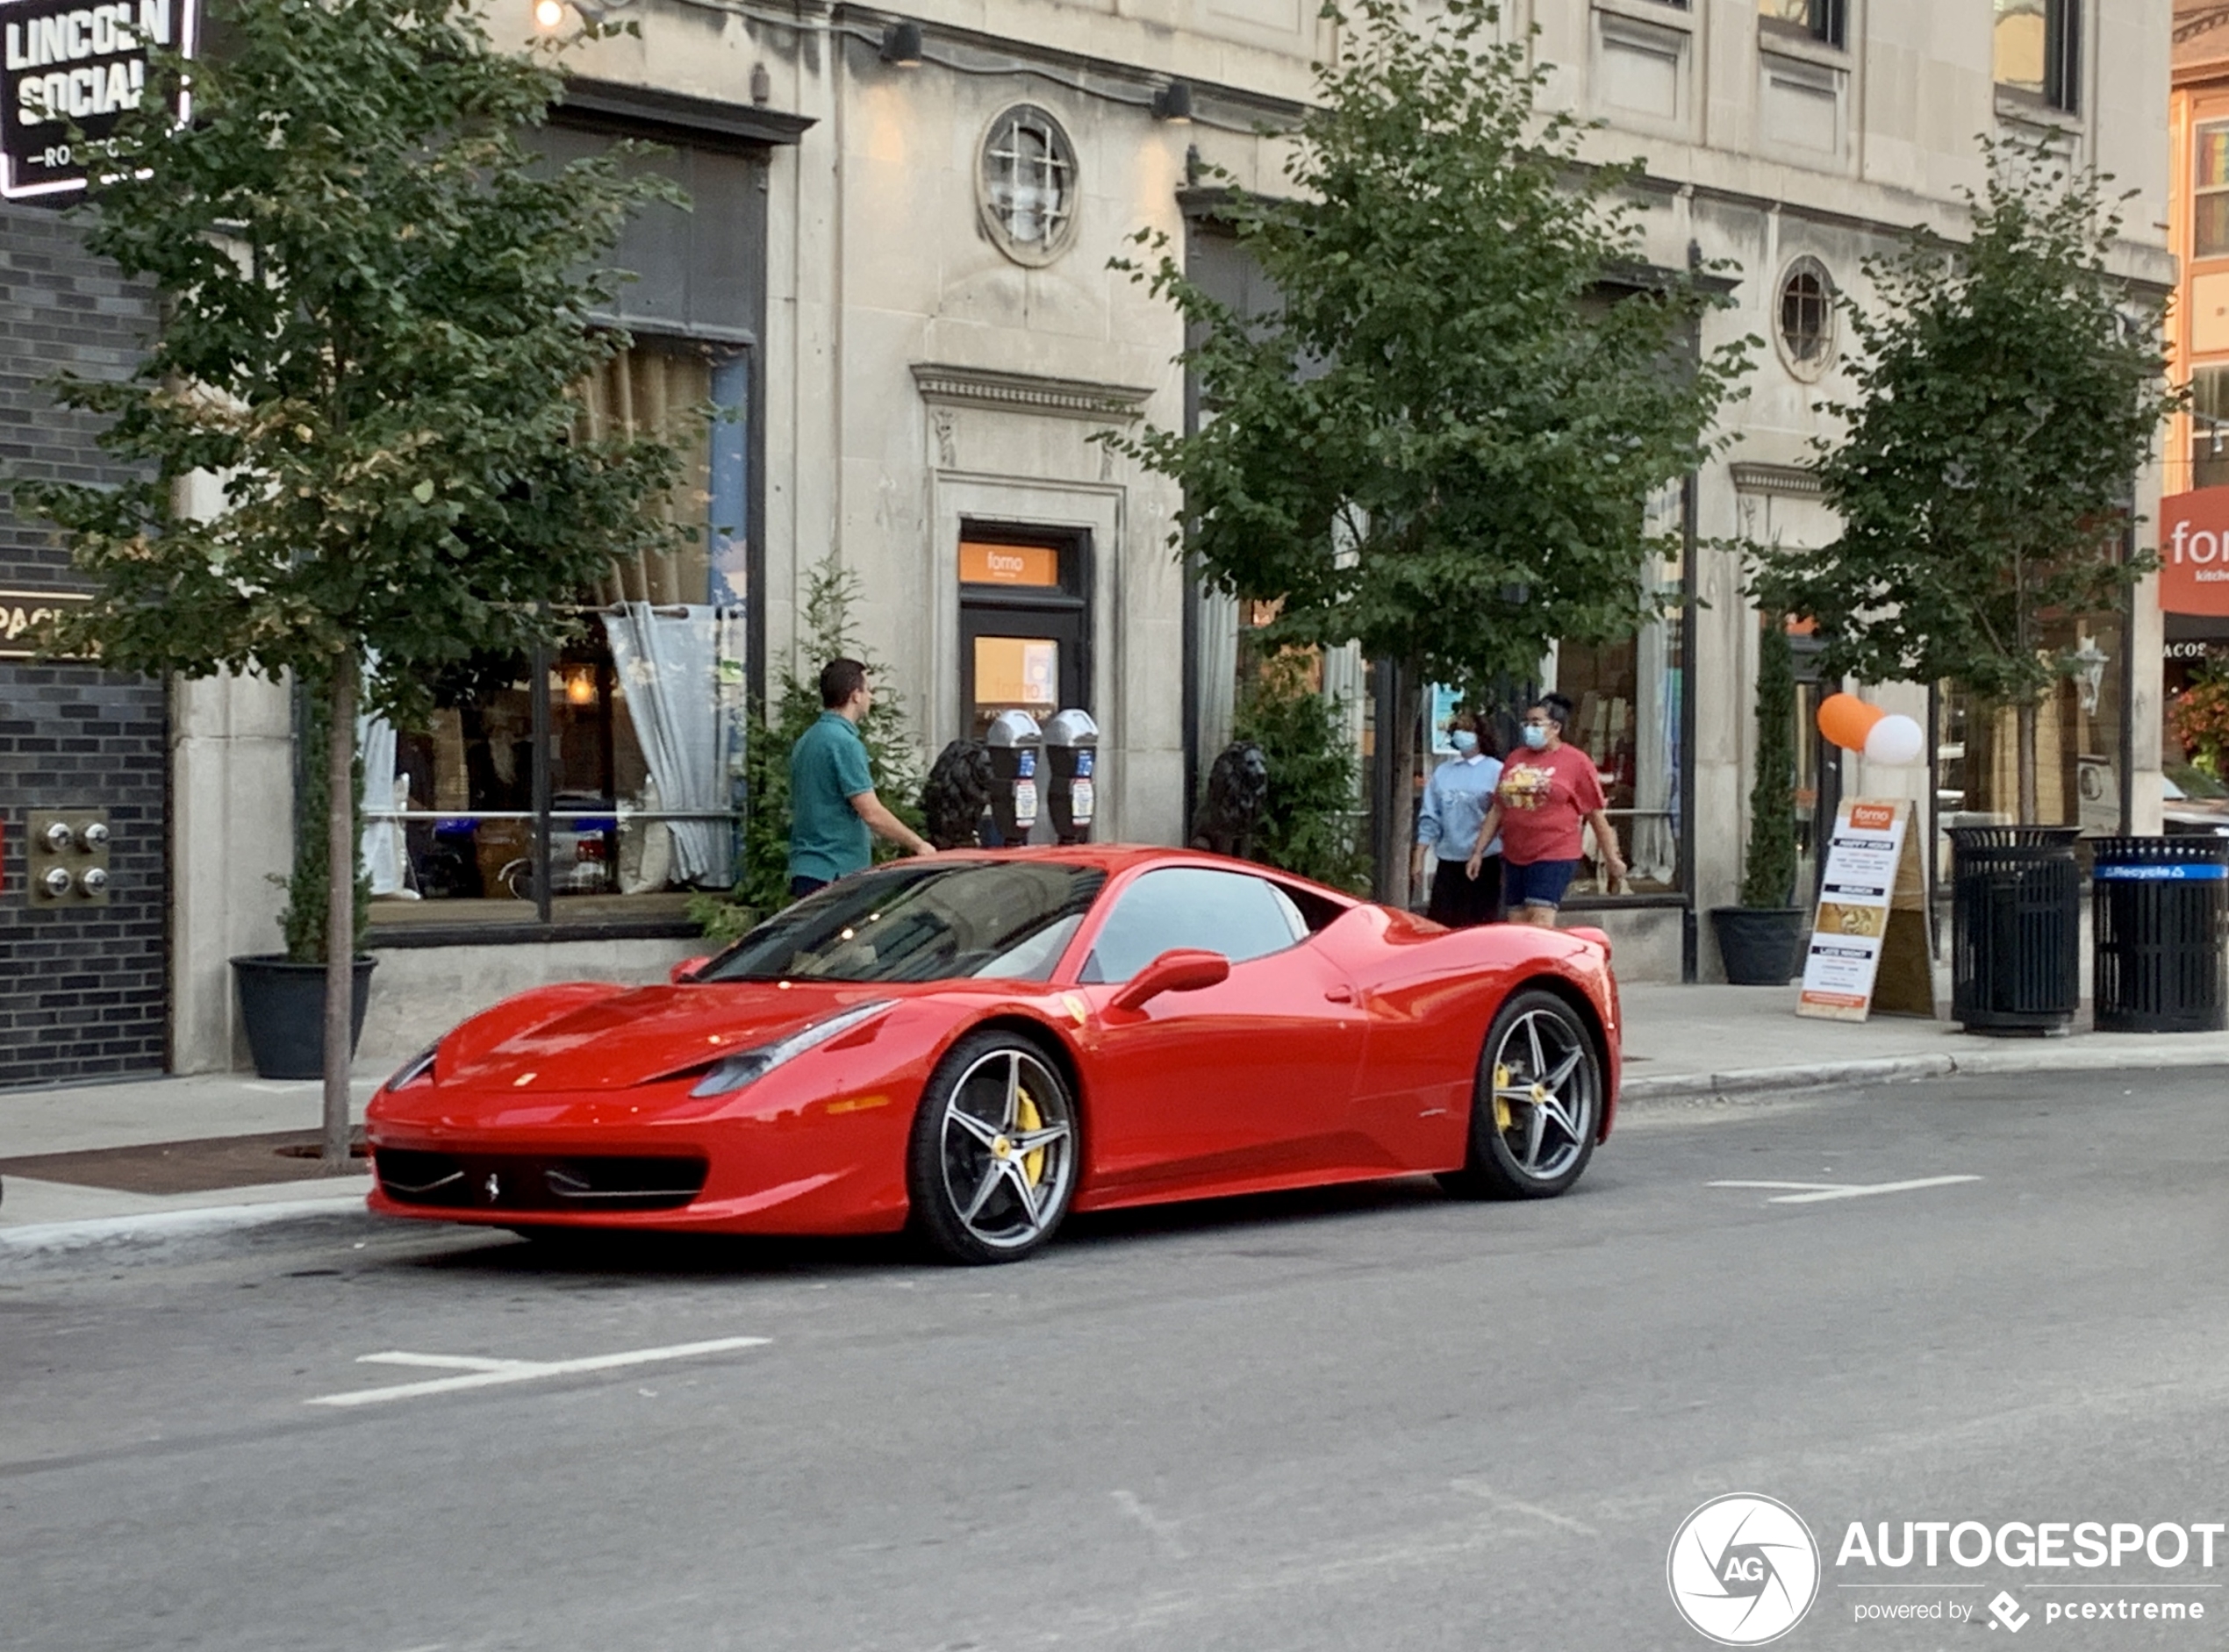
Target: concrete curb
<point x="189" y="1235"/>
<point x="172" y="1236"/>
<point x="2031" y="1056"/>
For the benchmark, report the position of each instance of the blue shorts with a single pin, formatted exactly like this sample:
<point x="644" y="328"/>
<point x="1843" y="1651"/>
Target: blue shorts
<point x="1542" y="883"/>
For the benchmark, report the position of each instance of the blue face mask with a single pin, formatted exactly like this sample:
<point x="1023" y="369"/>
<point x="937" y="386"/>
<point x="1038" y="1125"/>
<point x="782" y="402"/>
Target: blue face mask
<point x="1464" y="741"/>
<point x="1536" y="735"/>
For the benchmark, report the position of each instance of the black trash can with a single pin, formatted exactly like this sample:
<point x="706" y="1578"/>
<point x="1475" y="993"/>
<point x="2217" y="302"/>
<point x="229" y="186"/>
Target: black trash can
<point x="2161" y="922"/>
<point x="2016" y="928"/>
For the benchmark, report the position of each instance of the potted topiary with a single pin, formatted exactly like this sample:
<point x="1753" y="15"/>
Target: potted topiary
<point x="1758" y="939"/>
<point x="281" y="994"/>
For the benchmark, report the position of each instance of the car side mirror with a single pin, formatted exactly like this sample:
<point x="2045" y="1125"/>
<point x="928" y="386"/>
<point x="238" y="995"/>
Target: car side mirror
<point x="686" y="969"/>
<point x="1179" y="969"/>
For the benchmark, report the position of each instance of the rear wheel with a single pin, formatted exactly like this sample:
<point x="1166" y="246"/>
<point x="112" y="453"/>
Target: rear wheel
<point x="1536" y="1105"/>
<point x="993" y="1164"/>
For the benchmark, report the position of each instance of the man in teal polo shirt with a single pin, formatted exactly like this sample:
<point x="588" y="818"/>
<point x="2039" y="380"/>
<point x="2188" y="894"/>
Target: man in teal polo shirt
<point x="832" y="806"/>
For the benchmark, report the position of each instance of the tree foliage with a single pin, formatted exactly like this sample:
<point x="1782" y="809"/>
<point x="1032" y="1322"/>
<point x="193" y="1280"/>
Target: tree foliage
<point x="1440" y="443"/>
<point x="764" y="885"/>
<point x="374" y="312"/>
<point x="2007" y="392"/>
<point x="1768" y="875"/>
<point x="1309" y="817"/>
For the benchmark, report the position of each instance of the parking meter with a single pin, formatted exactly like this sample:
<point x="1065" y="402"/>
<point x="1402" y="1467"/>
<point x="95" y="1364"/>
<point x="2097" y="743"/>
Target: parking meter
<point x="1072" y="758"/>
<point x="1016" y="744"/>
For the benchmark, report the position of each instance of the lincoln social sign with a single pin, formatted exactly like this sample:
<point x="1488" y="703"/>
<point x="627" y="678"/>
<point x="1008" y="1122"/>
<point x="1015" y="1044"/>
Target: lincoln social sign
<point x="71" y="69"/>
<point x="2194" y="552"/>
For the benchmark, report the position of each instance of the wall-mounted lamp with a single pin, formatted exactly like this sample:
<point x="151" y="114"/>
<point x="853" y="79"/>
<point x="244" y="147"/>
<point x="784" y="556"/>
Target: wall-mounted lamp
<point x="580" y="685"/>
<point x="901" y="44"/>
<point x="549" y="15"/>
<point x="1173" y="104"/>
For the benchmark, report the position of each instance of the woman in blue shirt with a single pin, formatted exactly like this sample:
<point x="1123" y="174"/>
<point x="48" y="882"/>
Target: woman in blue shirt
<point x="1456" y="799"/>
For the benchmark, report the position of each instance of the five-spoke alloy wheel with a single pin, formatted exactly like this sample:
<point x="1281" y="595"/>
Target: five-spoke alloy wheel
<point x="994" y="1153"/>
<point x="1538" y="1104"/>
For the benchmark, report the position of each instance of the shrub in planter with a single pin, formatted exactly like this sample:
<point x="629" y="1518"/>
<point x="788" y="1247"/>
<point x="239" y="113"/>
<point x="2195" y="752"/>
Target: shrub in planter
<point x="281" y="995"/>
<point x="1758" y="940"/>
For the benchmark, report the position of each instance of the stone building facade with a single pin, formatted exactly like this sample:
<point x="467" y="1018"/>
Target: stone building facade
<point x="895" y="286"/>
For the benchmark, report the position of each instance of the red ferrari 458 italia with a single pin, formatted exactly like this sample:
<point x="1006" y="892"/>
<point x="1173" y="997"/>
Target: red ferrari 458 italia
<point x="977" y="1044"/>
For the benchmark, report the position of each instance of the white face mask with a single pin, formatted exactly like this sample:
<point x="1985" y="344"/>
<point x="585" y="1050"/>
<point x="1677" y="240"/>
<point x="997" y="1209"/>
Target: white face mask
<point x="1536" y="735"/>
<point x="1464" y="741"/>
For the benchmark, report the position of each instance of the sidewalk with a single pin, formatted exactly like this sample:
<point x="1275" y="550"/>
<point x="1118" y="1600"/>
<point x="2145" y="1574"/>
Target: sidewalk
<point x="155" y="1160"/>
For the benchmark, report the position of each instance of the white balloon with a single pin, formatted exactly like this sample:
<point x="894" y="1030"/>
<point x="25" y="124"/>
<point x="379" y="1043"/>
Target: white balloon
<point x="1894" y="742"/>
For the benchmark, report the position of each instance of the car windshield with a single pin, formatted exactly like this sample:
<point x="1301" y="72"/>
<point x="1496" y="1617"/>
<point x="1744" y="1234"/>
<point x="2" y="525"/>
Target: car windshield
<point x="2188" y="780"/>
<point x="925" y="920"/>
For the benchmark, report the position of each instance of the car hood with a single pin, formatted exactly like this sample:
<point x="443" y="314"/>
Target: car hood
<point x="630" y="1037"/>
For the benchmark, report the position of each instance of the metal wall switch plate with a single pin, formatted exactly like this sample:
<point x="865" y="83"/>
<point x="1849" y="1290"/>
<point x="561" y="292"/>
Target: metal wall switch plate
<point x="68" y="851"/>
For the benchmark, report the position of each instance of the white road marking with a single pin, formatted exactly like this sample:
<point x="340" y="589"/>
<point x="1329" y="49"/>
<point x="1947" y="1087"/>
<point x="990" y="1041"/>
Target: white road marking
<point x="1480" y="1489"/>
<point x="1818" y="1192"/>
<point x="487" y="1373"/>
<point x="1166" y="1534"/>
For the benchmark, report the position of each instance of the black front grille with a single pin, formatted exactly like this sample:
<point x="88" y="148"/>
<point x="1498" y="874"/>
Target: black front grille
<point x="521" y="1182"/>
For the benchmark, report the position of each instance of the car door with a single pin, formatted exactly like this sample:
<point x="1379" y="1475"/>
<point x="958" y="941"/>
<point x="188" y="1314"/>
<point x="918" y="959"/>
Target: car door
<point x="1248" y="1083"/>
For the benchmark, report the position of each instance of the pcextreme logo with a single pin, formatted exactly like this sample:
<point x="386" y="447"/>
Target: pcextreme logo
<point x="1743" y="1569"/>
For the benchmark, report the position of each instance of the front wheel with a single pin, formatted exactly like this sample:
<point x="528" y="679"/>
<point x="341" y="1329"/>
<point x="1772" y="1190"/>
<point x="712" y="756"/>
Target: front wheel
<point x="993" y="1162"/>
<point x="1537" y="1105"/>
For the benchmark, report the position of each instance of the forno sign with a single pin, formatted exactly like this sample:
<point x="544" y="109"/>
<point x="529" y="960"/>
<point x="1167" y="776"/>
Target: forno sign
<point x="70" y="70"/>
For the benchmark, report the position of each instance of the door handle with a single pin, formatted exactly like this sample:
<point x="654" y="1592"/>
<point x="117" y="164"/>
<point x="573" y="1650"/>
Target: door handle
<point x="1339" y="995"/>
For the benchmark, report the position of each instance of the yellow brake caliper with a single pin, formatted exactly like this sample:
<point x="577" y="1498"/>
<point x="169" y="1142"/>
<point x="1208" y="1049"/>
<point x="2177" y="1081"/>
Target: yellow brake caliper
<point x="1027" y="1119"/>
<point x="1500" y="1106"/>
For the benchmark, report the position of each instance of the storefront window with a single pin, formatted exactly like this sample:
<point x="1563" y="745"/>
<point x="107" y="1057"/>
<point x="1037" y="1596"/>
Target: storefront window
<point x="1626" y="701"/>
<point x="2079" y="755"/>
<point x="613" y="762"/>
<point x="2210" y="427"/>
<point x="2210" y="190"/>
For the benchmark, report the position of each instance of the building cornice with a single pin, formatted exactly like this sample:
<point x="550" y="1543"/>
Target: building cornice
<point x="1787" y="480"/>
<point x="1005" y="392"/>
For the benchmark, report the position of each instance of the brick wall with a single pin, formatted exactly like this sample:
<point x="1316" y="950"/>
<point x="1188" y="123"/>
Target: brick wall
<point x="82" y="989"/>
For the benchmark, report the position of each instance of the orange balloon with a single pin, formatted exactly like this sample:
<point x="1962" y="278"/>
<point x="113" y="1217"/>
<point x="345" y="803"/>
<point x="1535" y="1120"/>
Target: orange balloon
<point x="1846" y="719"/>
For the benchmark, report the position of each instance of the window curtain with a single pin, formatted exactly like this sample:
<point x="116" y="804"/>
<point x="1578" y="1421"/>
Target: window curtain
<point x="386" y="864"/>
<point x="1218" y="633"/>
<point x="668" y="661"/>
<point x="650" y="391"/>
<point x="1654" y="852"/>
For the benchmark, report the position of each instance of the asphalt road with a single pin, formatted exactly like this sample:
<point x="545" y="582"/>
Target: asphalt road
<point x="1375" y="1419"/>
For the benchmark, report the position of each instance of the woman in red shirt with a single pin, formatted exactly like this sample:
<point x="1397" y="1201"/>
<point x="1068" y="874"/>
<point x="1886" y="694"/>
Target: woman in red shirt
<point x="1548" y="792"/>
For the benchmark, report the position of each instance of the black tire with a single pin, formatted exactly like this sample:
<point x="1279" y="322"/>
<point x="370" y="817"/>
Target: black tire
<point x="1531" y="1139"/>
<point x="995" y="1153"/>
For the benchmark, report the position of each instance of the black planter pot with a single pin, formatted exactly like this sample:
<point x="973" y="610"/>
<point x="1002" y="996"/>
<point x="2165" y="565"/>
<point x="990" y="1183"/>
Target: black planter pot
<point x="282" y="1004"/>
<point x="1760" y="945"/>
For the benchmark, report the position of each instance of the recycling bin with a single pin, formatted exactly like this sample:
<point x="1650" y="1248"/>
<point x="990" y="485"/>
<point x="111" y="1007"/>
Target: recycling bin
<point x="2016" y="928"/>
<point x="2159" y="922"/>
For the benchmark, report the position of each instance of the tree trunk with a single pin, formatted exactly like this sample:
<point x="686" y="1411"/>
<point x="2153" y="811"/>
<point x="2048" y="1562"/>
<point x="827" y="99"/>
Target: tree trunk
<point x="340" y="912"/>
<point x="1401" y="829"/>
<point x="2026" y="716"/>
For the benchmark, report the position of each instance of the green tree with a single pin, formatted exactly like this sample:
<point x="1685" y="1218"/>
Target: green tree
<point x="2008" y="391"/>
<point x="1307" y="823"/>
<point x="374" y="311"/>
<point x="1440" y="444"/>
<point x="1768" y="878"/>
<point x="763" y="884"/>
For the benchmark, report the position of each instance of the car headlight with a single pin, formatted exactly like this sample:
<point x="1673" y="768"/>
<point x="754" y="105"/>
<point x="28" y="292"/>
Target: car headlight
<point x="733" y="1072"/>
<point x="418" y="1066"/>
